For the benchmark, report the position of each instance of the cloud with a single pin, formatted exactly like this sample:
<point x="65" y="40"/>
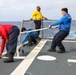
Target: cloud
<point x="1" y="3"/>
<point x="22" y="9"/>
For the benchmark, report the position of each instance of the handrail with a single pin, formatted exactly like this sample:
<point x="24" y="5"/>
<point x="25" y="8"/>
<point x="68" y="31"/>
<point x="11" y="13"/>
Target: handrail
<point x="42" y="29"/>
<point x="22" y="25"/>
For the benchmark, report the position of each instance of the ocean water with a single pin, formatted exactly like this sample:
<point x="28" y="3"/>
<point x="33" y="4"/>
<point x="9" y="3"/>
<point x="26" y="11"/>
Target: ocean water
<point x="46" y="33"/>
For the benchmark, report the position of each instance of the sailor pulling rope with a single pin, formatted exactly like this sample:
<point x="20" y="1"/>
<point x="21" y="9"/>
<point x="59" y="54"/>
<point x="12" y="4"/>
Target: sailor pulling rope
<point x="21" y="45"/>
<point x="19" y="48"/>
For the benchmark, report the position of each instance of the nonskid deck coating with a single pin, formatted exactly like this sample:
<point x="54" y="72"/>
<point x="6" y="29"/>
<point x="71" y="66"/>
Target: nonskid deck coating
<point x="60" y="66"/>
<point x="40" y="67"/>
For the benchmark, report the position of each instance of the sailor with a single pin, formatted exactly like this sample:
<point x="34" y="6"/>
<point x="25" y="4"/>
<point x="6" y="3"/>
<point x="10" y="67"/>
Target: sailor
<point x="29" y="36"/>
<point x="64" y="29"/>
<point x="9" y="34"/>
<point x="37" y="16"/>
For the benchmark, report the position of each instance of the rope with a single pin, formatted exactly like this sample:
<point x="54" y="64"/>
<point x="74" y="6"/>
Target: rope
<point x="39" y="29"/>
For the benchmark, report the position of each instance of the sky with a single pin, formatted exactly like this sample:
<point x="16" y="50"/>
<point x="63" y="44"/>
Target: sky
<point x="17" y="10"/>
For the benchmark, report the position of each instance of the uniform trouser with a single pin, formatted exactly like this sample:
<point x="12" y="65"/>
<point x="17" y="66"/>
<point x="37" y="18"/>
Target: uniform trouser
<point x="13" y="39"/>
<point x="37" y="25"/>
<point x="58" y="38"/>
<point x="32" y="38"/>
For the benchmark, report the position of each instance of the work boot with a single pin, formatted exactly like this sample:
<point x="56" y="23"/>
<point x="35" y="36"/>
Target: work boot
<point x="51" y="50"/>
<point x="61" y="51"/>
<point x="35" y="42"/>
<point x="10" y="57"/>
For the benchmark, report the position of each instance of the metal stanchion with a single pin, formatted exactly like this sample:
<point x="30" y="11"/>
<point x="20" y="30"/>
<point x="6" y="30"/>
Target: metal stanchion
<point x="42" y="31"/>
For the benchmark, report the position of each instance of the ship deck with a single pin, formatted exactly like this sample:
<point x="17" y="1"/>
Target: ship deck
<point x="40" y="62"/>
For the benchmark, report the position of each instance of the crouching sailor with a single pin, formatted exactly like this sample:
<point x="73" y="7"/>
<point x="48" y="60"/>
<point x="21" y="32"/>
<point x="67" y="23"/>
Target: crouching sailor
<point x="29" y="36"/>
<point x="64" y="28"/>
<point x="9" y="34"/>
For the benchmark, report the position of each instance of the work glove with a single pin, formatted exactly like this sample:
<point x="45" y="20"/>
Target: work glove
<point x="50" y="26"/>
<point x="31" y="19"/>
<point x="46" y="19"/>
<point x="21" y="43"/>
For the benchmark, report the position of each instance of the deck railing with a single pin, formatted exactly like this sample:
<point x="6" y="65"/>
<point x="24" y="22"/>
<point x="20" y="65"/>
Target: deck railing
<point x="45" y="23"/>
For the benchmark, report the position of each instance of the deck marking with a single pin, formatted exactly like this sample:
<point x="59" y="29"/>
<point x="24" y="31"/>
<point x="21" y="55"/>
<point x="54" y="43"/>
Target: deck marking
<point x="22" y="57"/>
<point x="46" y="58"/>
<point x="25" y="64"/>
<point x="65" y="41"/>
<point x="72" y="60"/>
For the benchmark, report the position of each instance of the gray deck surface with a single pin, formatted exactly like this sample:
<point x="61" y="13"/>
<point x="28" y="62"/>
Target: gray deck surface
<point x="8" y="68"/>
<point x="57" y="67"/>
<point x="39" y="67"/>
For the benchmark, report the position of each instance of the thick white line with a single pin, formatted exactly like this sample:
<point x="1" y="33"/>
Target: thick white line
<point x="65" y="41"/>
<point x="21" y="57"/>
<point x="72" y="60"/>
<point x="25" y="64"/>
